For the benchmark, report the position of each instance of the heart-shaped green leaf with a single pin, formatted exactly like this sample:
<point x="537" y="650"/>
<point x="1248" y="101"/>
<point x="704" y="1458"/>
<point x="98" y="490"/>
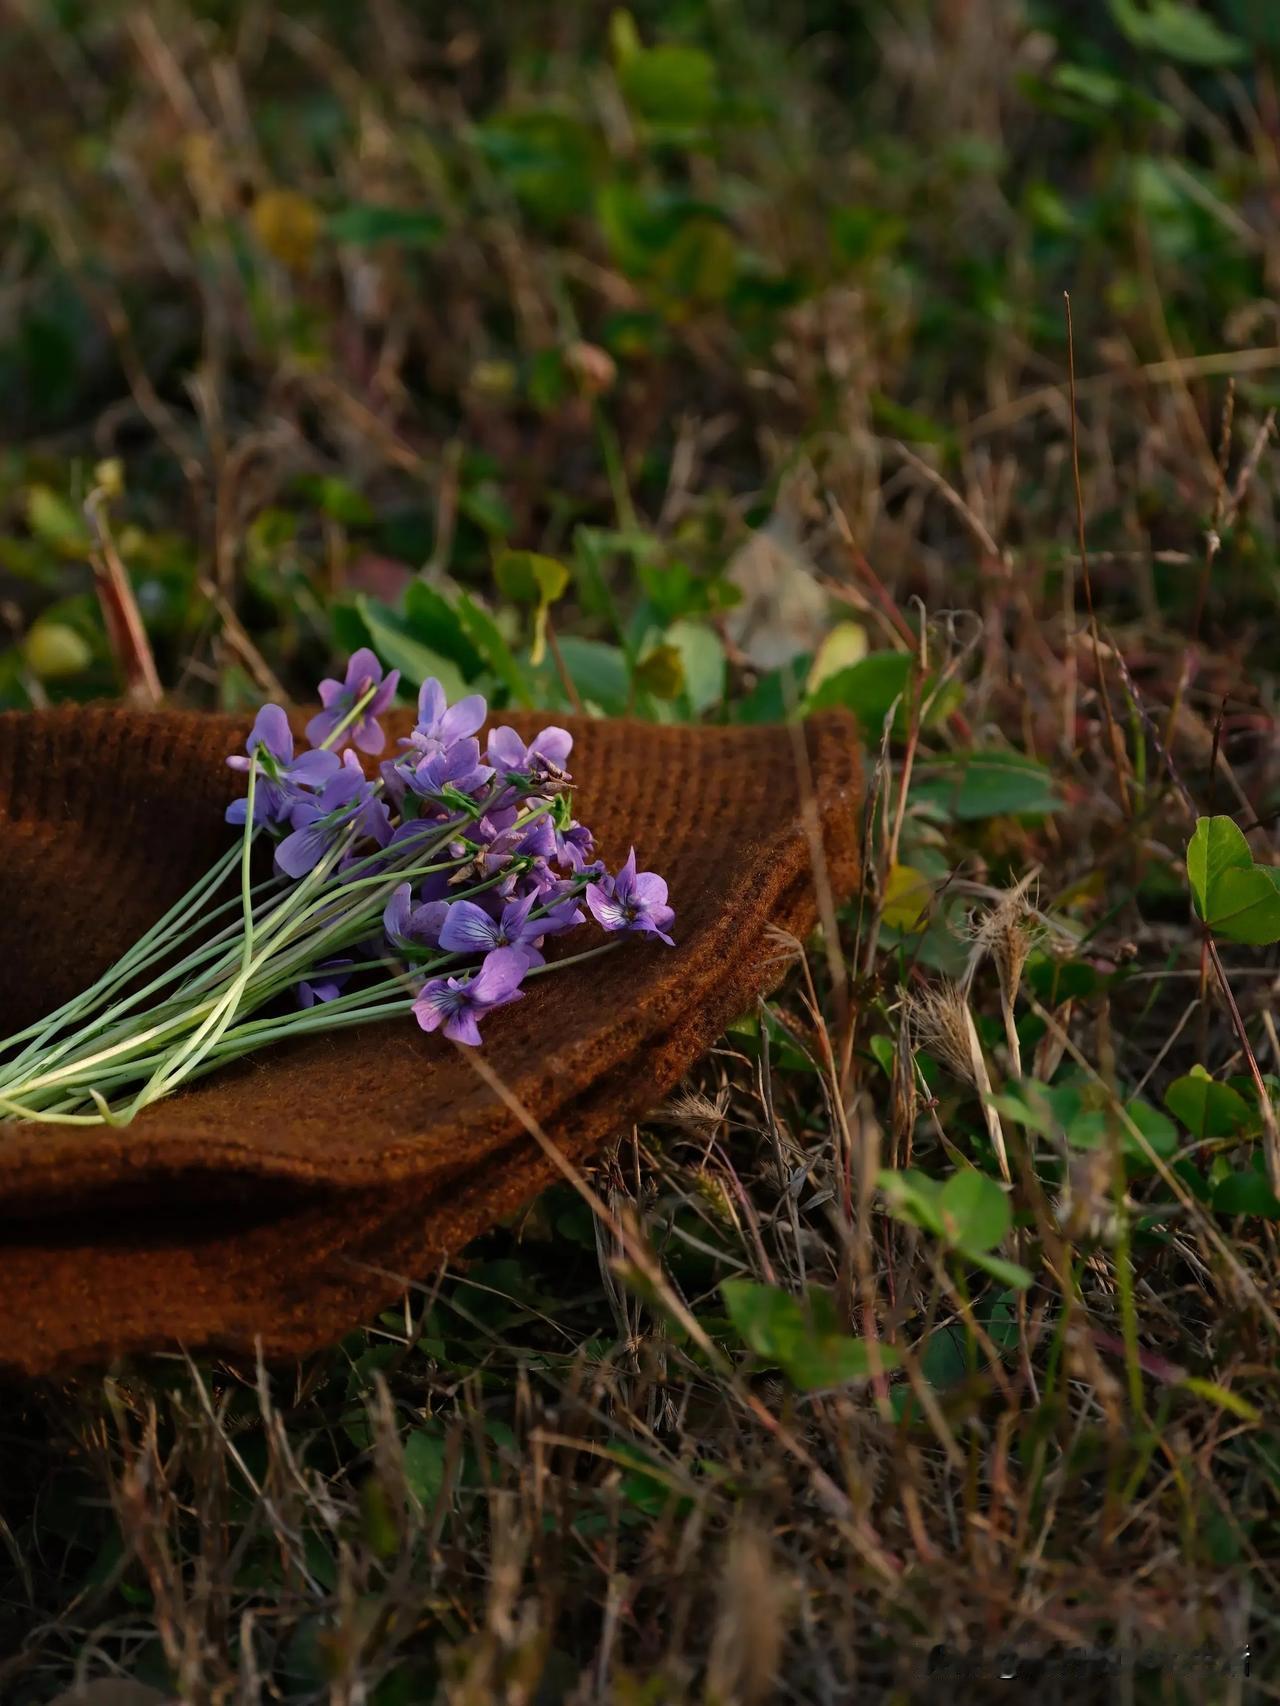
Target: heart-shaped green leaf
<point x="1235" y="897"/>
<point x="1206" y="1108"/>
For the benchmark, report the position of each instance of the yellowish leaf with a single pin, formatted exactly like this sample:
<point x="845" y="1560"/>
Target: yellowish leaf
<point x="288" y="227"/>
<point x="845" y="645"/>
<point x="908" y="894"/>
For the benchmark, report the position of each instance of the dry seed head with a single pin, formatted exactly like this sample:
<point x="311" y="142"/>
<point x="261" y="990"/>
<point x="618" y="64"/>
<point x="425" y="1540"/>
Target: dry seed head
<point x="1007" y="932"/>
<point x="938" y="1020"/>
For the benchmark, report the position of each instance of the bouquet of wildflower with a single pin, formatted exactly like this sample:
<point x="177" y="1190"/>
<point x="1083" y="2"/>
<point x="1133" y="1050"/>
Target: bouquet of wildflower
<point x="432" y="889"/>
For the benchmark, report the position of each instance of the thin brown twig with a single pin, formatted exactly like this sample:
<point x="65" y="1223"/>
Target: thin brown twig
<point x="126" y="631"/>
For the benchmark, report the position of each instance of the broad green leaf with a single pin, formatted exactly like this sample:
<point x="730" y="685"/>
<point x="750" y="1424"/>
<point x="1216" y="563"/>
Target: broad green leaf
<point x="701" y="654"/>
<point x="1206" y="1108"/>
<point x="975" y="1212"/>
<point x="912" y="1196"/>
<point x="1176" y="30"/>
<point x="800" y="1336"/>
<point x="598" y="671"/>
<point x="1245" y="1192"/>
<point x="1217" y="845"/>
<point x="973" y="785"/>
<point x="485" y="635"/>
<point x="434" y="621"/>
<point x="1235" y="897"/>
<point x="669" y="84"/>
<point x="390" y="637"/>
<point x="868" y="689"/>
<point x="661" y="673"/>
<point x="1160" y="1133"/>
<point x="424" y="1456"/>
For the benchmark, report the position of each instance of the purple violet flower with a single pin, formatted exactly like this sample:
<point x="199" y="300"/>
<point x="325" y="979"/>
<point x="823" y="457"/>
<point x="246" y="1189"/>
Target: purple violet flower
<point x="281" y="778"/>
<point x="409" y="926"/>
<point x="325" y="983"/>
<point x="317" y="823"/>
<point x="441" y="725"/>
<point x="469" y="929"/>
<point x="459" y="1003"/>
<point x="543" y="760"/>
<point x="633" y="900"/>
<point x="457" y="766"/>
<point x="340" y="697"/>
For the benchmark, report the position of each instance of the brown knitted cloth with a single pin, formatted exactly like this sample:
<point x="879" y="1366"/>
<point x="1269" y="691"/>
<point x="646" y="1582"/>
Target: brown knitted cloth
<point x="288" y="1197"/>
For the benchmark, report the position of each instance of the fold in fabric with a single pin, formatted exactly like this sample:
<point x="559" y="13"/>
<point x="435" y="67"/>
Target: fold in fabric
<point x="287" y="1198"/>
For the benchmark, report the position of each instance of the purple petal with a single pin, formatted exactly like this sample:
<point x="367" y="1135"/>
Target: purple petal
<point x="395" y="915"/>
<point x="302" y="851"/>
<point x="271" y="730"/>
<point x="463" y="719"/>
<point x="313" y="769"/>
<point x="499" y="978"/>
<point x="506" y="750"/>
<point x="468" y="929"/>
<point x="436" y="1003"/>
<point x="369" y="735"/>
<point x="461" y="1027"/>
<point x="362" y="668"/>
<point x="385" y="694"/>
<point x="322" y="725"/>
<point x="649" y="890"/>
<point x="605" y="910"/>
<point x="432" y="704"/>
<point x="553" y="744"/>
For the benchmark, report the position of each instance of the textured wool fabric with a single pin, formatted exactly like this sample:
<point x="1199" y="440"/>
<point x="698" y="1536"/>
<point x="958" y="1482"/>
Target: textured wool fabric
<point x="287" y="1197"/>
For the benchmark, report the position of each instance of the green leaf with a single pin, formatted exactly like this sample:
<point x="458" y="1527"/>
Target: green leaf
<point x="661" y="673"/>
<point x="701" y="653"/>
<point x="1010" y="1272"/>
<point x="485" y="635"/>
<point x="391" y="638"/>
<point x="800" y="1337"/>
<point x="843" y="648"/>
<point x="1206" y="1108"/>
<point x="434" y="621"/>
<point x="868" y="689"/>
<point x="56" y="522"/>
<point x="669" y="84"/>
<point x="526" y="577"/>
<point x="1177" y="31"/>
<point x="598" y="671"/>
<point x="367" y="223"/>
<point x="1235" y="897"/>
<point x="1245" y="1192"/>
<point x="424" y="1456"/>
<point x="963" y="1214"/>
<point x="975" y="1212"/>
<point x="973" y="785"/>
<point x="912" y="1197"/>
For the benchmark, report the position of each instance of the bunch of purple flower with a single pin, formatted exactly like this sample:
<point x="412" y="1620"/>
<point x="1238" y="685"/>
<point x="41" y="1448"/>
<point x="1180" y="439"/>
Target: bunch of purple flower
<point x="482" y="858"/>
<point x="435" y="887"/>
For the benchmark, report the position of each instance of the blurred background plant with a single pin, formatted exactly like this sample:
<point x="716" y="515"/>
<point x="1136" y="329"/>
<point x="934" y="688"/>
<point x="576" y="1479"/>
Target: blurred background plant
<point x="708" y="361"/>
